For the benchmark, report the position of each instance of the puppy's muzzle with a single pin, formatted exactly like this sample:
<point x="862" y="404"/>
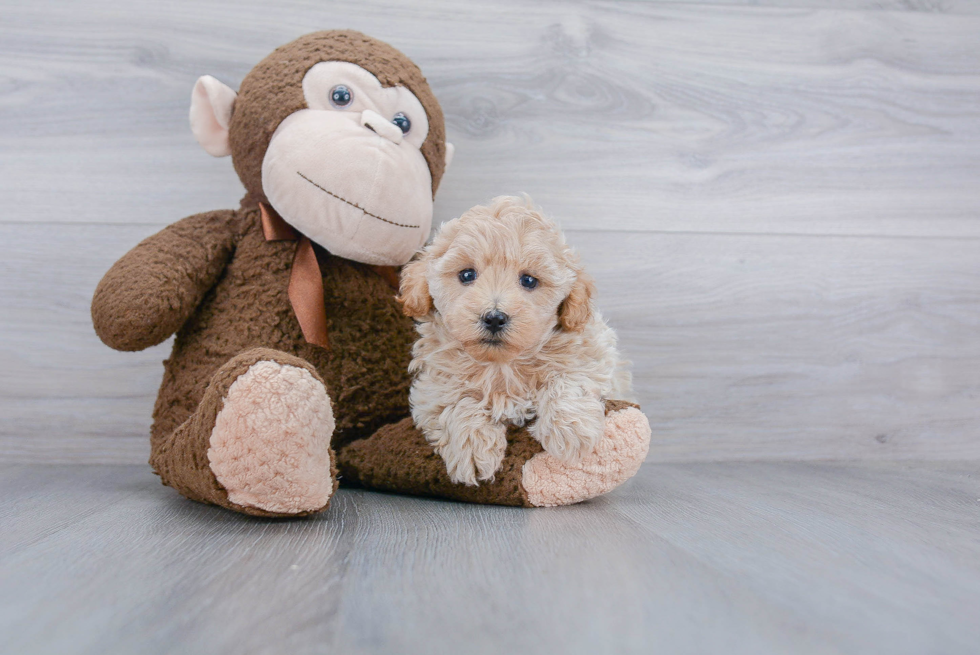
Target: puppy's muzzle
<point x="494" y="321"/>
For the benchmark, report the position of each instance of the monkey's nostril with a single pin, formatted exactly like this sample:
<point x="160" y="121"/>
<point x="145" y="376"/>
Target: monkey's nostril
<point x="494" y="321"/>
<point x="381" y="126"/>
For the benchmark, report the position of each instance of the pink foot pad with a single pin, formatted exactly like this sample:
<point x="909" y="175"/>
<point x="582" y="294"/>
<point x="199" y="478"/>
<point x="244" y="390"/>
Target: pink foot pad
<point x="270" y="446"/>
<point x="618" y="456"/>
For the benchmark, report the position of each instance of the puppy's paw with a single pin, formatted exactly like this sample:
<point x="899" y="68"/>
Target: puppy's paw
<point x="570" y="430"/>
<point x="475" y="454"/>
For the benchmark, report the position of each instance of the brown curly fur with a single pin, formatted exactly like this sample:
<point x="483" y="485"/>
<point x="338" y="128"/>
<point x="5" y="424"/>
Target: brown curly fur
<point x="216" y="277"/>
<point x="215" y="281"/>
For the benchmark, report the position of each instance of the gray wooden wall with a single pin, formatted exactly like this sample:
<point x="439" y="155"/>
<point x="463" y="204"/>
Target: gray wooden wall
<point x="780" y="199"/>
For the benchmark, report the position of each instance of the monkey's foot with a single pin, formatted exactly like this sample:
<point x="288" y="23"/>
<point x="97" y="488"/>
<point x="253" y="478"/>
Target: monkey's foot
<point x="398" y="458"/>
<point x="617" y="457"/>
<point x="259" y="442"/>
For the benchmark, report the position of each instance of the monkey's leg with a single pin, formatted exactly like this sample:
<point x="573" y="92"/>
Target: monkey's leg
<point x="259" y="442"/>
<point x="398" y="458"/>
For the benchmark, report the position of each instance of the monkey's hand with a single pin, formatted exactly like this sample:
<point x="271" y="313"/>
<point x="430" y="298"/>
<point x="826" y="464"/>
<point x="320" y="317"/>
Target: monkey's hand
<point x="154" y="288"/>
<point x="469" y="441"/>
<point x="570" y="421"/>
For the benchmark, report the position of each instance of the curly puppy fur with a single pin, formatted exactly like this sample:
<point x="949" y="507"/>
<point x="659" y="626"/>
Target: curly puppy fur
<point x="553" y="359"/>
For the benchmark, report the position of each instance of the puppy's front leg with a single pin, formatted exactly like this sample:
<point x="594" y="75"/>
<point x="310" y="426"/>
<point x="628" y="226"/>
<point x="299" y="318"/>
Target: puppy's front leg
<point x="571" y="418"/>
<point x="470" y="441"/>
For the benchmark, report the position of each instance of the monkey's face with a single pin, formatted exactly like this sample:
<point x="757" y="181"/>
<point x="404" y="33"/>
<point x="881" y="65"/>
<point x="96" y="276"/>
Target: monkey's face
<point x="350" y="154"/>
<point x="347" y="171"/>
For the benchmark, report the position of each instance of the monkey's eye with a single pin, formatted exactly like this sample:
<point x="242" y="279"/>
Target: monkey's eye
<point x="341" y="96"/>
<point x="401" y="120"/>
<point x="467" y="275"/>
<point x="528" y="282"/>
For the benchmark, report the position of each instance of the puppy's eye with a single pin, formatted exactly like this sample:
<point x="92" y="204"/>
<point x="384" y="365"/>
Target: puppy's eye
<point x="528" y="282"/>
<point x="341" y="96"/>
<point x="467" y="275"/>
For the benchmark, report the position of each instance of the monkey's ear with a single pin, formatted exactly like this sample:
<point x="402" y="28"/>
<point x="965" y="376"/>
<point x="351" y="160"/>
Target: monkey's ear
<point x="413" y="293"/>
<point x="211" y="105"/>
<point x="450" y="151"/>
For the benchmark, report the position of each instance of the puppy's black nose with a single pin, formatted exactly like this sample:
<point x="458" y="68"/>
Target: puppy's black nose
<point x="494" y="321"/>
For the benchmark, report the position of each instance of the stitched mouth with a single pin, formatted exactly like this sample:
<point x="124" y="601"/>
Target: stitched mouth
<point x="354" y="204"/>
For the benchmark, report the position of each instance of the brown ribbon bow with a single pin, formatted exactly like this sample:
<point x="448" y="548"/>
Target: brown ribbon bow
<point x="305" y="279"/>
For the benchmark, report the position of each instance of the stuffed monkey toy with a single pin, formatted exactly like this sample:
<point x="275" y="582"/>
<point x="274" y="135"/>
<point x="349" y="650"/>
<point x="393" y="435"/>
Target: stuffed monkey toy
<point x="289" y="371"/>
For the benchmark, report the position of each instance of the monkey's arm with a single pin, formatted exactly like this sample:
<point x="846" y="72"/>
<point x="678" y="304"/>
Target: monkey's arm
<point x="154" y="288"/>
<point x="398" y="458"/>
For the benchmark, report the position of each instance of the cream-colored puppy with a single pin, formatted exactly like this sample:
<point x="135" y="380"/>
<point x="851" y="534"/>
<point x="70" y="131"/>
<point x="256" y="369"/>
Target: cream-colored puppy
<point x="508" y="334"/>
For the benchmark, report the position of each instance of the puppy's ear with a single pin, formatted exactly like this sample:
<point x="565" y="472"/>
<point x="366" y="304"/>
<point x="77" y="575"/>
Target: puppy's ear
<point x="576" y="310"/>
<point x="413" y="292"/>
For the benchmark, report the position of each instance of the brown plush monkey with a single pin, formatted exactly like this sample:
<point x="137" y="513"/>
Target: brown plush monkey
<point x="289" y="369"/>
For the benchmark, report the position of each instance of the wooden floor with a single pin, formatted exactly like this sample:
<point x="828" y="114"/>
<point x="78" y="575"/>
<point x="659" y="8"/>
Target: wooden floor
<point x="731" y="557"/>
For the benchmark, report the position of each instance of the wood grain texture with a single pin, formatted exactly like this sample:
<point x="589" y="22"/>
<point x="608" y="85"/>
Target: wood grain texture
<point x="628" y="115"/>
<point x="743" y="347"/>
<point x="779" y="201"/>
<point x="686" y="558"/>
<point x="788" y="347"/>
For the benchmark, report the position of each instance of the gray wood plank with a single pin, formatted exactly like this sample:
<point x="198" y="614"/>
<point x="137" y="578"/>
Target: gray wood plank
<point x="733" y="557"/>
<point x="743" y="347"/>
<point x="64" y="396"/>
<point x="798" y="348"/>
<point x="692" y="124"/>
<point x="881" y="538"/>
<point x="925" y="6"/>
<point x="637" y="116"/>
